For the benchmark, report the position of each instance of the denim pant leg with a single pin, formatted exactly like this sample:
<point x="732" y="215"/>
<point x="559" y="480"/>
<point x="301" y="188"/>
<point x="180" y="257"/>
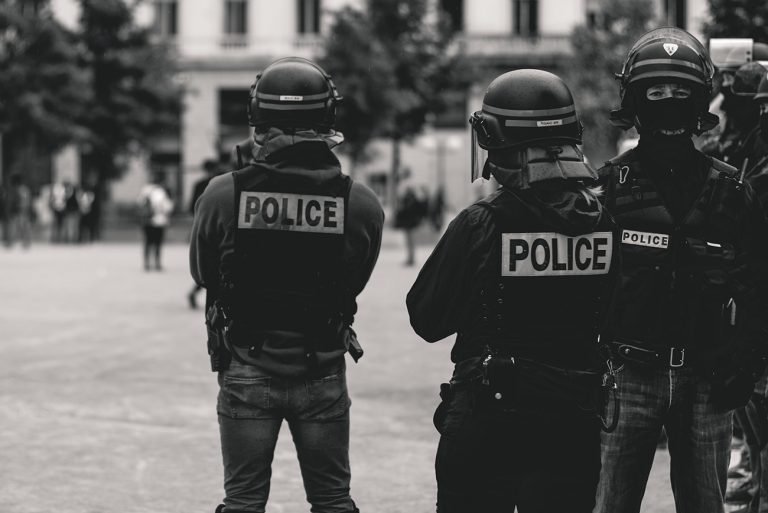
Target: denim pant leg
<point x="319" y="422"/>
<point x="699" y="437"/>
<point x="249" y="426"/>
<point x="627" y="453"/>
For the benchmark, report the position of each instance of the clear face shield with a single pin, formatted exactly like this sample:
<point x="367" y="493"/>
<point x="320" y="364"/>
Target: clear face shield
<point x="479" y="156"/>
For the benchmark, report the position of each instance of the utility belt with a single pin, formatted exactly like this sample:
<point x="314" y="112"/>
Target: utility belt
<point x="222" y="338"/>
<point x="510" y="383"/>
<point x="654" y="356"/>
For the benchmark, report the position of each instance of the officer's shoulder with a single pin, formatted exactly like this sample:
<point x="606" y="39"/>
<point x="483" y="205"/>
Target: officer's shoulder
<point x="621" y="159"/>
<point x="220" y="188"/>
<point x="364" y="202"/>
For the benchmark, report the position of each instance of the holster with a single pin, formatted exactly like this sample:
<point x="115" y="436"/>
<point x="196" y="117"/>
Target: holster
<point x="217" y="347"/>
<point x="351" y="344"/>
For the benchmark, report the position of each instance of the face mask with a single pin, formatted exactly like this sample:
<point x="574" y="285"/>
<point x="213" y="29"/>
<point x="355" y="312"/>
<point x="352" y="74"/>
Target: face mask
<point x="669" y="114"/>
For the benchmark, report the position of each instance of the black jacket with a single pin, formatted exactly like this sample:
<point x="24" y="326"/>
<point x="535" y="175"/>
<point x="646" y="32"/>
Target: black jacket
<point x="463" y="289"/>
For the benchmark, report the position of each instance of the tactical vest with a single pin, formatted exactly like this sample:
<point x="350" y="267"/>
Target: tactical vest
<point x="287" y="271"/>
<point x="541" y="294"/>
<point x="676" y="287"/>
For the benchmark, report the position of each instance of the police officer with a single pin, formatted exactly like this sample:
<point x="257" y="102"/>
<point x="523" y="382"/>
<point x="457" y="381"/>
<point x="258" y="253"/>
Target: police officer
<point x="689" y="323"/>
<point x="524" y="277"/>
<point x="739" y="143"/>
<point x="736" y="78"/>
<point x="283" y="247"/>
<point x="757" y="172"/>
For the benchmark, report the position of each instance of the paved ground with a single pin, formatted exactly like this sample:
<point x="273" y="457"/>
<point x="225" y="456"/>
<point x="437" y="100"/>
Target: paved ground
<point x="107" y="403"/>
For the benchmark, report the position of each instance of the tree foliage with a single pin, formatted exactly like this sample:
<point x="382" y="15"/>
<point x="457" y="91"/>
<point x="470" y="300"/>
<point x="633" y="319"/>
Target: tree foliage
<point x="738" y="18"/>
<point x="106" y="87"/>
<point x="134" y="95"/>
<point x="393" y="63"/>
<point x="361" y="69"/>
<point x="598" y="54"/>
<point x="43" y="87"/>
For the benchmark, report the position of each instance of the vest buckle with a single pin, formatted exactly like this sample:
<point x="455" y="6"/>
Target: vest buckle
<point x="676" y="357"/>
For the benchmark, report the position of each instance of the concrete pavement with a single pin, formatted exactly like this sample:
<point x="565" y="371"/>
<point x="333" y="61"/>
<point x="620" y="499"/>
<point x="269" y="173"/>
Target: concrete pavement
<point x="107" y="403"/>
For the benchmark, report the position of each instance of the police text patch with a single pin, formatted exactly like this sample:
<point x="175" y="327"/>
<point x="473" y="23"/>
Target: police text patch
<point x="555" y="254"/>
<point x="649" y="239"/>
<point x="293" y="212"/>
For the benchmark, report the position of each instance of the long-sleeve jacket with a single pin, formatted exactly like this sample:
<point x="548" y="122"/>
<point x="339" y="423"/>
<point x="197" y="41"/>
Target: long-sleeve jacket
<point x="213" y="235"/>
<point x="466" y="286"/>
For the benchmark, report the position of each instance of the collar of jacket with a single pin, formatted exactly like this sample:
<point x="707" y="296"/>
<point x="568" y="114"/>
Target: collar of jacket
<point x="270" y="143"/>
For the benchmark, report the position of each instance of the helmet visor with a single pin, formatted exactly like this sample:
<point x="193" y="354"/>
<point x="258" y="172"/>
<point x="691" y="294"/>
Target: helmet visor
<point x="479" y="156"/>
<point x="730" y="53"/>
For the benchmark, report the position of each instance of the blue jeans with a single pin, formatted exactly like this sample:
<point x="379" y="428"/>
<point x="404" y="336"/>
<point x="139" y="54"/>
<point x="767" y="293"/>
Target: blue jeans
<point x="699" y="438"/>
<point x="252" y="407"/>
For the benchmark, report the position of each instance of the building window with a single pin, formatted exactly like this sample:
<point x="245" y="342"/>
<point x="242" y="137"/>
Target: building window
<point x="308" y="16"/>
<point x="166" y="17"/>
<point x="236" y="17"/>
<point x="676" y="12"/>
<point x="526" y="17"/>
<point x="453" y="13"/>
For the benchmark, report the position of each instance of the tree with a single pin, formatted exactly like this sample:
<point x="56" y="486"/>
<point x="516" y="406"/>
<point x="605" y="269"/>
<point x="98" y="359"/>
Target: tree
<point x="598" y="54"/>
<point x="361" y="67"/>
<point x="738" y="18"/>
<point x="43" y="88"/>
<point x="135" y="97"/>
<point x="398" y="59"/>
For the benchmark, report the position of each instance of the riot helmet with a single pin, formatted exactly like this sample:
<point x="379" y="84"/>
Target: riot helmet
<point x="761" y="97"/>
<point x="523" y="109"/>
<point x="738" y="103"/>
<point x="662" y="56"/>
<point x="293" y="93"/>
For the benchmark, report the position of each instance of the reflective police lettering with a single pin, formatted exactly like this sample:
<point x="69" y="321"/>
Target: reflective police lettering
<point x="649" y="239"/>
<point x="555" y="254"/>
<point x="293" y="212"/>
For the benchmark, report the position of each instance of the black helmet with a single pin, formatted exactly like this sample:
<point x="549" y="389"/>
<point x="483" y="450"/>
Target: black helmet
<point x="762" y="89"/>
<point x="523" y="107"/>
<point x="529" y="113"/>
<point x="666" y="54"/>
<point x="747" y="79"/>
<point x="293" y="93"/>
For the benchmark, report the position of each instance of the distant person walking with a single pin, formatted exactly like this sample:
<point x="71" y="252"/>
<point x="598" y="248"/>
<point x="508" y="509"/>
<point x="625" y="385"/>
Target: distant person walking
<point x="155" y="206"/>
<point x="410" y="212"/>
<point x="58" y="204"/>
<point x="18" y="212"/>
<point x="71" y="213"/>
<point x="211" y="169"/>
<point x="86" y="228"/>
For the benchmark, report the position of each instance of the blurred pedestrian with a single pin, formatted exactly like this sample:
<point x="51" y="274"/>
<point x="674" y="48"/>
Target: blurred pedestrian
<point x="71" y="213"/>
<point x="19" y="211"/>
<point x="155" y="207"/>
<point x="58" y="205"/>
<point x="86" y="228"/>
<point x="41" y="205"/>
<point x="211" y="169"/>
<point x="283" y="247"/>
<point x="411" y="211"/>
<point x="690" y="319"/>
<point x="525" y="277"/>
<point x="437" y="208"/>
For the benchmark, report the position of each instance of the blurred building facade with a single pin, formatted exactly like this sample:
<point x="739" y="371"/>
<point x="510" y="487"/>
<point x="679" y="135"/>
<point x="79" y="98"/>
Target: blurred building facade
<point x="221" y="44"/>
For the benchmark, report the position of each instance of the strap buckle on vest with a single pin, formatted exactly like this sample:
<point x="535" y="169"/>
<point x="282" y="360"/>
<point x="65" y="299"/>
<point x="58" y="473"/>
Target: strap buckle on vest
<point x="676" y="362"/>
<point x="623" y="174"/>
